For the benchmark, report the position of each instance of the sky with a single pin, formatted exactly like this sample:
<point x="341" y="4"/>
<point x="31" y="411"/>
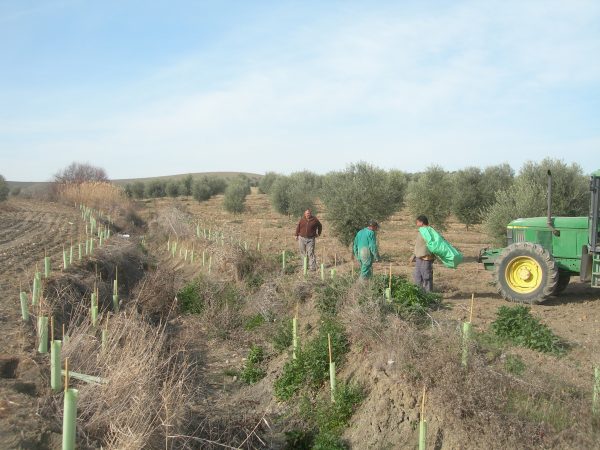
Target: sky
<point x="168" y="87"/>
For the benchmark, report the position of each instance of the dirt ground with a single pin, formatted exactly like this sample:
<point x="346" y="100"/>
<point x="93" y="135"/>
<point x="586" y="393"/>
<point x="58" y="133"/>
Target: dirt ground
<point x="28" y="228"/>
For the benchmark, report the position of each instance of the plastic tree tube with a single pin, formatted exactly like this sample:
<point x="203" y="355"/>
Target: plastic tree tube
<point x="466" y="336"/>
<point x="305" y="265"/>
<point x="70" y="419"/>
<point x="333" y="272"/>
<point x="423" y="425"/>
<point x="332" y="381"/>
<point x="24" y="305"/>
<point x="55" y="366"/>
<point x="596" y="393"/>
<point x="79" y="251"/>
<point x="35" y="293"/>
<point x="71" y="254"/>
<point x="46" y="267"/>
<point x="43" y="334"/>
<point x="322" y="272"/>
<point x="283" y="261"/>
<point x="294" y="336"/>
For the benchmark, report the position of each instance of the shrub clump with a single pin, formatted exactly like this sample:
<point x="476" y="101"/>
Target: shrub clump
<point x="518" y="326"/>
<point x="282" y="338"/>
<point x="189" y="298"/>
<point x="407" y="299"/>
<point x="311" y="366"/>
<point x="252" y="371"/>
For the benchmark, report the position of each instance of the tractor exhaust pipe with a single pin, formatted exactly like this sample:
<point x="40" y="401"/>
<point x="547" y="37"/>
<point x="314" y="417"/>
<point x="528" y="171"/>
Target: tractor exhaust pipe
<point x="549" y="219"/>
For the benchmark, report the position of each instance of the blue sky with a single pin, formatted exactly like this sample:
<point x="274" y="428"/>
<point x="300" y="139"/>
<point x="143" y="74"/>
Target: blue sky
<point x="158" y="88"/>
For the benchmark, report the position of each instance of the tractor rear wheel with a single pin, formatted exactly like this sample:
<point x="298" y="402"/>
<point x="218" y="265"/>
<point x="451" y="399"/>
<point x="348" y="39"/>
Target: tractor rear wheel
<point x="563" y="281"/>
<point x="526" y="273"/>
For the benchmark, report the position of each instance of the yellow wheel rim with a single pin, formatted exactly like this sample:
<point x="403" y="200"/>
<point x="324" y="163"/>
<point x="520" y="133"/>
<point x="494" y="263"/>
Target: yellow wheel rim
<point x="523" y="274"/>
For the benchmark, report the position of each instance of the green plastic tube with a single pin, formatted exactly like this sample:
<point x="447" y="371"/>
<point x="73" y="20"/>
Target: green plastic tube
<point x="305" y="265"/>
<point x="94" y="314"/>
<point x="116" y="302"/>
<point x="596" y="393"/>
<point x="108" y="233"/>
<point x="192" y="257"/>
<point x="245" y="246"/>
<point x="197" y="230"/>
<point x="65" y="262"/>
<point x="388" y="294"/>
<point x="42" y="334"/>
<point x="203" y="258"/>
<point x="100" y="241"/>
<point x="209" y="263"/>
<point x="35" y="293"/>
<point x="185" y="255"/>
<point x="116" y="285"/>
<point x="294" y="337"/>
<point x="333" y="272"/>
<point x="24" y="305"/>
<point x="46" y="267"/>
<point x="91" y="246"/>
<point x="55" y="366"/>
<point x="79" y="251"/>
<point x="466" y="336"/>
<point x="422" y="434"/>
<point x="71" y="255"/>
<point x="332" y="381"/>
<point x="87" y="246"/>
<point x="70" y="419"/>
<point x="283" y="261"/>
<point x="322" y="272"/>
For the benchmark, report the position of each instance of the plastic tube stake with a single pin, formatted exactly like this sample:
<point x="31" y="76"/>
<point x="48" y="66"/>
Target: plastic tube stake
<point x="91" y="246"/>
<point x="294" y="336"/>
<point x="87" y="246"/>
<point x="24" y="306"/>
<point x="209" y="263"/>
<point x="35" y="292"/>
<point x="46" y="267"/>
<point x="55" y="366"/>
<point x="466" y="335"/>
<point x="43" y="334"/>
<point x="322" y="272"/>
<point x="333" y="271"/>
<point x="79" y="251"/>
<point x="332" y="381"/>
<point x="203" y="258"/>
<point x="71" y="254"/>
<point x="116" y="303"/>
<point x="104" y="339"/>
<point x="70" y="419"/>
<point x="283" y="261"/>
<point x="423" y="425"/>
<point x="305" y="265"/>
<point x="65" y="263"/>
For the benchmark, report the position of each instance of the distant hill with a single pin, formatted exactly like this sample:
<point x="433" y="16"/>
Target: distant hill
<point x="30" y="185"/>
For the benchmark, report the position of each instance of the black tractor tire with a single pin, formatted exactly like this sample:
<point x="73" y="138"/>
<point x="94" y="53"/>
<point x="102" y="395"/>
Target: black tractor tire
<point x="545" y="261"/>
<point x="563" y="281"/>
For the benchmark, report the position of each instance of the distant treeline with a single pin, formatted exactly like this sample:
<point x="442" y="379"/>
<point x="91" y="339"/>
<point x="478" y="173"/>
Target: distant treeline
<point x="201" y="188"/>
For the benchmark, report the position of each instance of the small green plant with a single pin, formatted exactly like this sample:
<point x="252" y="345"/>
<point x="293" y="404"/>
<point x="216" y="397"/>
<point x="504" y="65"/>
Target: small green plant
<point x="311" y="366"/>
<point x="252" y="372"/>
<point x="514" y="364"/>
<point x="253" y="322"/>
<point x="407" y="299"/>
<point x="189" y="298"/>
<point x="330" y="294"/>
<point x="517" y="325"/>
<point x="282" y="339"/>
<point x="299" y="440"/>
<point x="333" y="417"/>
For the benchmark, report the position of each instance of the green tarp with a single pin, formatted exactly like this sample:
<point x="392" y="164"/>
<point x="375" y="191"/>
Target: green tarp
<point x="437" y="245"/>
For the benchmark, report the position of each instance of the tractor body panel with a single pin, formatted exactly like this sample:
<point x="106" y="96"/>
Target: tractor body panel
<point x="566" y="247"/>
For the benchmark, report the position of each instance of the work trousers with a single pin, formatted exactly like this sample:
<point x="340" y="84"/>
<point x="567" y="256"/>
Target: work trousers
<point x="307" y="248"/>
<point x="423" y="274"/>
<point x="366" y="262"/>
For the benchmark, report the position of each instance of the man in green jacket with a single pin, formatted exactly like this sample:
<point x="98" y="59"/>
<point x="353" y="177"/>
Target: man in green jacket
<point x="365" y="249"/>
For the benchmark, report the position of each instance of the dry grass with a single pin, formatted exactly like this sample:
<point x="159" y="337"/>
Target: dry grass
<point x="144" y="398"/>
<point x="102" y="196"/>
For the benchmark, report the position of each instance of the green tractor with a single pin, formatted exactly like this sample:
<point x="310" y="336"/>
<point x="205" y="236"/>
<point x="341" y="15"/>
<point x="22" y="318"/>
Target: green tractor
<point x="543" y="253"/>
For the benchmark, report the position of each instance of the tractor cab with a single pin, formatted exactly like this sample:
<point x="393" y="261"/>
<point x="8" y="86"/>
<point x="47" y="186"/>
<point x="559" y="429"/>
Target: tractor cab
<point x="543" y="253"/>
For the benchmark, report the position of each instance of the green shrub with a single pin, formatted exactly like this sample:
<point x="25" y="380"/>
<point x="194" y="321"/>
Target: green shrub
<point x="330" y="294"/>
<point x="155" y="188"/>
<point x="407" y="299"/>
<point x="311" y="366"/>
<point x="253" y="322"/>
<point x="328" y="441"/>
<point x="189" y="298"/>
<point x="138" y="189"/>
<point x="333" y="417"/>
<point x="299" y="440"/>
<point x="518" y="326"/>
<point x="172" y="189"/>
<point x="282" y="338"/>
<point x="187" y="185"/>
<point x="514" y="364"/>
<point x="252" y="372"/>
<point x="467" y="195"/>
<point x="294" y="194"/>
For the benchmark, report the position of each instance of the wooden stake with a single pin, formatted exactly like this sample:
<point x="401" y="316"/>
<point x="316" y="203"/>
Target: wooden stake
<point x="51" y="328"/>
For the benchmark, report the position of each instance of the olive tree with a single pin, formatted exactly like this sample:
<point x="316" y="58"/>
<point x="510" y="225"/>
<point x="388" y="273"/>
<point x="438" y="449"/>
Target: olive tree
<point x="467" y="195"/>
<point x="235" y="195"/>
<point x="265" y="183"/>
<point x="527" y="196"/>
<point x="356" y="195"/>
<point x="430" y="193"/>
<point x="4" y="190"/>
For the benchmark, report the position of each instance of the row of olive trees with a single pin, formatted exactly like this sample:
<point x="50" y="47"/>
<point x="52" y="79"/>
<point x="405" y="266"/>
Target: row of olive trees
<point x="4" y="190"/>
<point x="492" y="196"/>
<point x="201" y="189"/>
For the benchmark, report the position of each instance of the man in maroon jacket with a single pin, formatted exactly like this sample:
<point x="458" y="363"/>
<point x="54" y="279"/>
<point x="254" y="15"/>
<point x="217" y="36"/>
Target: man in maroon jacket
<point x="308" y="229"/>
